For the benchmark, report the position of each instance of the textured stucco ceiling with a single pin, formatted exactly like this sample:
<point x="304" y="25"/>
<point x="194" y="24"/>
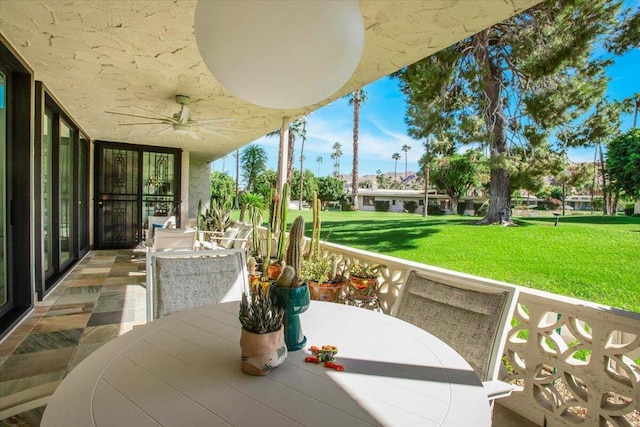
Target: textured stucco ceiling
<point x="101" y="55"/>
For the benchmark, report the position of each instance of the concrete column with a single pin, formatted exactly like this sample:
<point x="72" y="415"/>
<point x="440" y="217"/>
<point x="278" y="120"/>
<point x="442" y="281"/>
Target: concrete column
<point x="284" y="154"/>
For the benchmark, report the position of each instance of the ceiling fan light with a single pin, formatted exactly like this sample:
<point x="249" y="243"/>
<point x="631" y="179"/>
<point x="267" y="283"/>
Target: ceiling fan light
<point x="280" y="54"/>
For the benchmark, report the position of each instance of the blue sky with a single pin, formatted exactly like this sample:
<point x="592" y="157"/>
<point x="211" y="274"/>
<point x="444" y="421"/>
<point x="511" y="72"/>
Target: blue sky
<point x="383" y="131"/>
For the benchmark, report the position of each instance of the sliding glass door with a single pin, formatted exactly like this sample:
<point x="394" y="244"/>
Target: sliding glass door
<point x="4" y="277"/>
<point x="65" y="195"/>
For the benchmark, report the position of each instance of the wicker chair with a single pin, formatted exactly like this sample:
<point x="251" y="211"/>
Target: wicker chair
<point x="179" y="281"/>
<point x="468" y="313"/>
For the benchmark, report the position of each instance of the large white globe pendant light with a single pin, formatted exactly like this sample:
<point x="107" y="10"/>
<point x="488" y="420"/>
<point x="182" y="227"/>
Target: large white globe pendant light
<point x="280" y="54"/>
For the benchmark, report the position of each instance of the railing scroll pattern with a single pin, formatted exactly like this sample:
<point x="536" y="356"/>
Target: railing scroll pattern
<point x="573" y="362"/>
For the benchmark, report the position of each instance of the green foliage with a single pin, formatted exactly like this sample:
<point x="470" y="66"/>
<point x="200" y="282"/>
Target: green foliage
<point x="318" y="269"/>
<point x="309" y="185"/>
<point x="260" y="316"/>
<point x="330" y="189"/>
<point x="623" y="163"/>
<point x="264" y="183"/>
<point x="510" y="85"/>
<point x="455" y="174"/>
<point x="410" y="206"/>
<point x="218" y="216"/>
<point x="365" y="271"/>
<point x="555" y="192"/>
<point x="253" y="161"/>
<point x="381" y="205"/>
<point x="223" y="187"/>
<point x="346" y="206"/>
<point x="434" y="210"/>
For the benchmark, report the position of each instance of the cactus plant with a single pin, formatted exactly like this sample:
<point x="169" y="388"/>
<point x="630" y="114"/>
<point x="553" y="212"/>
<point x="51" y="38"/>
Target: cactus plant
<point x="287" y="278"/>
<point x="260" y="316"/>
<point x="251" y="265"/>
<point x="284" y="208"/>
<point x="294" y="250"/>
<point x="267" y="252"/>
<point x="314" y="247"/>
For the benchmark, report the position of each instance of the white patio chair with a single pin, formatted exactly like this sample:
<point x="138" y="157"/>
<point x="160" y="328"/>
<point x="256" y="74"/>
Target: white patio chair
<point x="236" y="236"/>
<point x="155" y="223"/>
<point x="174" y="239"/>
<point x="181" y="280"/>
<point x="469" y="314"/>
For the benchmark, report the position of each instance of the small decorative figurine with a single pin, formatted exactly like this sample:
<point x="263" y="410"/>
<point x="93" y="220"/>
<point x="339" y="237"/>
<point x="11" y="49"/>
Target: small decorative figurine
<point x="325" y="354"/>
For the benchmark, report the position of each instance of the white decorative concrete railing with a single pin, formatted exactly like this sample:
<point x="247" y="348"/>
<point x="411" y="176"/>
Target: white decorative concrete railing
<point x="571" y="360"/>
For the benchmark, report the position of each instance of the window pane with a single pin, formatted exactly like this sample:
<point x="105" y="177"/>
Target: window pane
<point x="47" y="191"/>
<point x="66" y="191"/>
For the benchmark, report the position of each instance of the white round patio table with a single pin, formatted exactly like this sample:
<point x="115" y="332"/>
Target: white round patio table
<point x="184" y="370"/>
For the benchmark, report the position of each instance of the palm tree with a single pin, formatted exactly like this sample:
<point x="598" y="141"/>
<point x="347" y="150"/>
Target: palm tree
<point x="337" y="153"/>
<point x="319" y="161"/>
<point x="254" y="162"/>
<point x="396" y="157"/>
<point x="406" y="148"/>
<point x="296" y="129"/>
<point x="356" y="98"/>
<point x="304" y="138"/>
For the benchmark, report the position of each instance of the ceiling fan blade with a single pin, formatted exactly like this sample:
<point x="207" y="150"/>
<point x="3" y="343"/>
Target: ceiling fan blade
<point x="149" y="123"/>
<point x="132" y="115"/>
<point x="185" y="113"/>
<point x="194" y="135"/>
<point x="171" y="119"/>
<point x="165" y="130"/>
<point x="212" y="121"/>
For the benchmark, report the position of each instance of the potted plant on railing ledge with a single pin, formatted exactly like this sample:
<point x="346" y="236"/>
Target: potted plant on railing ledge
<point x="319" y="271"/>
<point x="262" y="338"/>
<point x="325" y="281"/>
<point x="363" y="279"/>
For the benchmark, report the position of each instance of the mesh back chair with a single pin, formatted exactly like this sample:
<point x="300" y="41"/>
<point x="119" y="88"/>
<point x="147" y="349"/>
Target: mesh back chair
<point x="469" y="314"/>
<point x="179" y="281"/>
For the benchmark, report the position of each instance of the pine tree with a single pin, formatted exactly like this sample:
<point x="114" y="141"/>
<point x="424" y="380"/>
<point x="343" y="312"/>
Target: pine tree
<point x="507" y="87"/>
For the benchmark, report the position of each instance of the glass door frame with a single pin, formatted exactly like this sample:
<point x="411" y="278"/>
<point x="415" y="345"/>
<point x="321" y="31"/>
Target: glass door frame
<point x="45" y="278"/>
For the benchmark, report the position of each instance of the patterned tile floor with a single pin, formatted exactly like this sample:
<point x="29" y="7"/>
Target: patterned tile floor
<point x="101" y="298"/>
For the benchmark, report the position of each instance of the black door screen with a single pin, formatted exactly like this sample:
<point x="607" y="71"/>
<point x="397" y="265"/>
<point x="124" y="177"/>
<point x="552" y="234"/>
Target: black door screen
<point x="132" y="183"/>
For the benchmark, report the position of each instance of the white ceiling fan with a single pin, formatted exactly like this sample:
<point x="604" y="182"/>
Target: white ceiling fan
<point x="181" y="122"/>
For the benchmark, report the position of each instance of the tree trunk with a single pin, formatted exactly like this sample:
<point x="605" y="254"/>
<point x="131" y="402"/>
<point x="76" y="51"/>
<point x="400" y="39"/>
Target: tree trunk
<point x="454" y="205"/>
<point x="290" y="147"/>
<point x="499" y="191"/>
<point x="606" y="194"/>
<point x="301" y="168"/>
<point x="354" y="172"/>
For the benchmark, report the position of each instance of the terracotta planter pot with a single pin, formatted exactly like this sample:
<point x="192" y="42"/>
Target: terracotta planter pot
<point x="274" y="271"/>
<point x="327" y="291"/>
<point x="262" y="352"/>
<point x="364" y="286"/>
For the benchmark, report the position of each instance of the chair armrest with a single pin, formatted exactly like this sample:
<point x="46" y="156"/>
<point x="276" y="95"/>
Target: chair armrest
<point x="496" y="389"/>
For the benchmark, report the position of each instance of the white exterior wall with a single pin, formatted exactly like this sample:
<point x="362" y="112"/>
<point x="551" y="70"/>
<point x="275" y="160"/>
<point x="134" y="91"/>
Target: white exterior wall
<point x="399" y="206"/>
<point x="199" y="185"/>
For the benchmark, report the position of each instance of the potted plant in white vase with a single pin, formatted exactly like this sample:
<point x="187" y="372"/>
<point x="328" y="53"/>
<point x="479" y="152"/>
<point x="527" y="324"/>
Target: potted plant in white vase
<point x="262" y="339"/>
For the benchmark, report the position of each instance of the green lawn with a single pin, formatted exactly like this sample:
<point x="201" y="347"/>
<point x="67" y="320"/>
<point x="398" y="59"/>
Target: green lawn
<point x="594" y="258"/>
